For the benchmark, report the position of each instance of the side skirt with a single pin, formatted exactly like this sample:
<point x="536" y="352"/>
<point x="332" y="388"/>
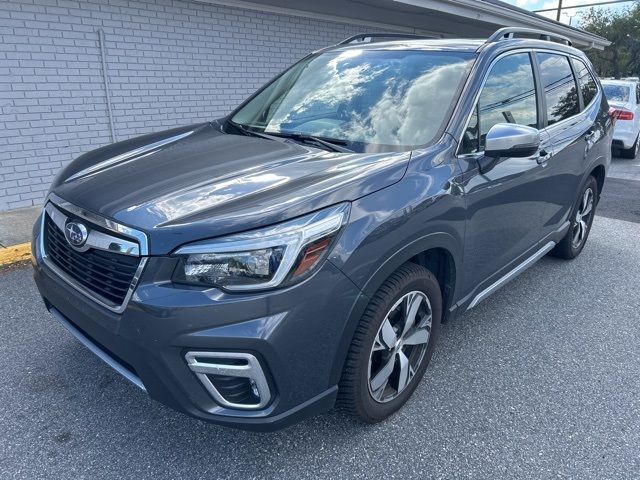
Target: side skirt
<point x="511" y="275"/>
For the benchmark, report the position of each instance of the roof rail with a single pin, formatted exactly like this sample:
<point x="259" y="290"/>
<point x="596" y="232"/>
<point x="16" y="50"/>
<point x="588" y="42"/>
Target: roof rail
<point x="508" y="33"/>
<point x="371" y="37"/>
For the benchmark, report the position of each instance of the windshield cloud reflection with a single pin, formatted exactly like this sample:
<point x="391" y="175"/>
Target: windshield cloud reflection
<point x="376" y="98"/>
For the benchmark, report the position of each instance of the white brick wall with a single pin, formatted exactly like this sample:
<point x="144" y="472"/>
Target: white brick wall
<point x="170" y="63"/>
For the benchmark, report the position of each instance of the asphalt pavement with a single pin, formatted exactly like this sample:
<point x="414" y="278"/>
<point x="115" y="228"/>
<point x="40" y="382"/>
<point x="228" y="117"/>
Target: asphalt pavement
<point x="621" y="192"/>
<point x="621" y="200"/>
<point x="540" y="380"/>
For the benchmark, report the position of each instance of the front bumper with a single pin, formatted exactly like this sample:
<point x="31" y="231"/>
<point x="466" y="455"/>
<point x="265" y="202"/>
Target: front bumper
<point x="298" y="334"/>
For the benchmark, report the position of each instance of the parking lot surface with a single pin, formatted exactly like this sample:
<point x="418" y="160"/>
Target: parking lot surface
<point x="540" y="380"/>
<point x="621" y="193"/>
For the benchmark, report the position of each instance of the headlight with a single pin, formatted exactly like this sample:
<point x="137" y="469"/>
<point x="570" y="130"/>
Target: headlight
<point x="264" y="258"/>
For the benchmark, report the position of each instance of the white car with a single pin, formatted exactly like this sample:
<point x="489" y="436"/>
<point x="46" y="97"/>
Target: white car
<point x="624" y="98"/>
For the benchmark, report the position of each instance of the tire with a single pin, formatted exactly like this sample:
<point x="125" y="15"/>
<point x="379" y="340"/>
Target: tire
<point x="631" y="152"/>
<point x="568" y="247"/>
<point x="369" y="354"/>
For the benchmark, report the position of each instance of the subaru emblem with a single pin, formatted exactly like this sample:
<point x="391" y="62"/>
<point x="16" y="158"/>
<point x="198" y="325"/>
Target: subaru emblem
<point x="76" y="234"/>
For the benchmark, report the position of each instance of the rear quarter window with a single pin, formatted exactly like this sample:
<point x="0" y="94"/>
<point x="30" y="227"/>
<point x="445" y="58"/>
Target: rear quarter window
<point x="586" y="81"/>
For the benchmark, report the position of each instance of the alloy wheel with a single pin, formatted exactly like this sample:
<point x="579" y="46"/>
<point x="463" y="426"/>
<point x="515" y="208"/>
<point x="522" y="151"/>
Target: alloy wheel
<point x="399" y="346"/>
<point x="583" y="215"/>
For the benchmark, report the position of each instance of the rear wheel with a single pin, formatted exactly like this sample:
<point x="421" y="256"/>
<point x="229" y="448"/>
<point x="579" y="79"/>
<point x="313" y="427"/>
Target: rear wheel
<point x="631" y="152"/>
<point x="581" y="219"/>
<point x="392" y="345"/>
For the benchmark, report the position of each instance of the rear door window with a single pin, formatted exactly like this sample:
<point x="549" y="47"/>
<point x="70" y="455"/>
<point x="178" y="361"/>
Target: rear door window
<point x="586" y="81"/>
<point x="559" y="87"/>
<point x="508" y="96"/>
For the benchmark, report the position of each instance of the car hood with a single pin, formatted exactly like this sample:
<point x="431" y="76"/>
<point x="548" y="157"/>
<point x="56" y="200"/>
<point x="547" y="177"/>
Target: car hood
<point x="198" y="182"/>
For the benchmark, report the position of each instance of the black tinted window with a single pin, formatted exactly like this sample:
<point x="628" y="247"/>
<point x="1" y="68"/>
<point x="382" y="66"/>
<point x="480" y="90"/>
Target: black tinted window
<point x="508" y="96"/>
<point x="586" y="81"/>
<point x="559" y="87"/>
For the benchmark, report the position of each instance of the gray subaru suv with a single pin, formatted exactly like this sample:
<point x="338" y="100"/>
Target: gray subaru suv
<point x="302" y="252"/>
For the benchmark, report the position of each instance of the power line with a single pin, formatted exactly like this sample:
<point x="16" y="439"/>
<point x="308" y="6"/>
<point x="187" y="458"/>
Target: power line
<point x="559" y="8"/>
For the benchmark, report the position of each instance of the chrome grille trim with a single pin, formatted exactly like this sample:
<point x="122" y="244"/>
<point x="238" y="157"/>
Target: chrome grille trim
<point x="115" y="227"/>
<point x="102" y="222"/>
<point x="97" y="239"/>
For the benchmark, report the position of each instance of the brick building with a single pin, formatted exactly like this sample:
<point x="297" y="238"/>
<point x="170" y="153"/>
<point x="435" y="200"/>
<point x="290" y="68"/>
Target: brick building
<point x="77" y="74"/>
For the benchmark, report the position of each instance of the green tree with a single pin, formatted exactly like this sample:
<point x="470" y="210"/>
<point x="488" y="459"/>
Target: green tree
<point x="622" y="57"/>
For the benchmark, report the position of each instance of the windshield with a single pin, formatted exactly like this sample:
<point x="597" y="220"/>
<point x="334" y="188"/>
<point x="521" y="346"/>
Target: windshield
<point x="370" y="100"/>
<point x="616" y="93"/>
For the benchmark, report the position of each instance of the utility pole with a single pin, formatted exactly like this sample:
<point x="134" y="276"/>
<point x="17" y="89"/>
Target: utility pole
<point x="600" y="3"/>
<point x="570" y="17"/>
<point x="559" y="10"/>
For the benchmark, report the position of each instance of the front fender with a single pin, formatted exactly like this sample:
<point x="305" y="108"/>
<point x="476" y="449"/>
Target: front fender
<point x="425" y="210"/>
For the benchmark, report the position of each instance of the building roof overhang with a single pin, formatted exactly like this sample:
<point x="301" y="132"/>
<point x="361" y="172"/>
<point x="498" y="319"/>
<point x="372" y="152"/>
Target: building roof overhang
<point x="439" y="18"/>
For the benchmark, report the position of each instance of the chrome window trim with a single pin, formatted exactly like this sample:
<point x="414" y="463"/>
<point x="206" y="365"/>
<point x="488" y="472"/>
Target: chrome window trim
<point x="103" y="222"/>
<point x="484" y="80"/>
<point x="70" y="281"/>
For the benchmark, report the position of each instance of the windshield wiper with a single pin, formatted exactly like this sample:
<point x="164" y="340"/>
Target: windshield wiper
<point x="252" y="133"/>
<point x="332" y="145"/>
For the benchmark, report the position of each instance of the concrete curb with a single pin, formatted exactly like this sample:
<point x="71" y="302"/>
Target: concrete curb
<point x="15" y="254"/>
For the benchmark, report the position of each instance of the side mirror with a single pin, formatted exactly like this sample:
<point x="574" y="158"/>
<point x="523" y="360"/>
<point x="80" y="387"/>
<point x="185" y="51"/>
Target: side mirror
<point x="508" y="140"/>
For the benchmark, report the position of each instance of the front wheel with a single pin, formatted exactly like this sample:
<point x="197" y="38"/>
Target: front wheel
<point x="392" y="345"/>
<point x="581" y="219"/>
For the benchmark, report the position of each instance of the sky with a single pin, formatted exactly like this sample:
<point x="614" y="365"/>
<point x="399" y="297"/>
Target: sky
<point x="540" y="4"/>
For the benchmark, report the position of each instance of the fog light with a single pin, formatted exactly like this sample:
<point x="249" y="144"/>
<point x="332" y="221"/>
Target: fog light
<point x="231" y="378"/>
<point x="254" y="388"/>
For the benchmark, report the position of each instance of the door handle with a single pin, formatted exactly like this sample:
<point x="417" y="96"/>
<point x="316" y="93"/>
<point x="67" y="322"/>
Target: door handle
<point x="590" y="133"/>
<point x="544" y="156"/>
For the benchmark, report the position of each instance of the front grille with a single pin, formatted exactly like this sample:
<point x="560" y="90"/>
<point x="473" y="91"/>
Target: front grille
<point x="105" y="274"/>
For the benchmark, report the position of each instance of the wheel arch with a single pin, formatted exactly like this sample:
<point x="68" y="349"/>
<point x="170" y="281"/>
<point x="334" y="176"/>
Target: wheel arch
<point x="440" y="262"/>
<point x="439" y="251"/>
<point x="599" y="173"/>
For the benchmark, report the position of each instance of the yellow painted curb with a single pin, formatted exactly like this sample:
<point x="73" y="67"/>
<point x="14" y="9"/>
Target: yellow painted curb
<point x="15" y="253"/>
